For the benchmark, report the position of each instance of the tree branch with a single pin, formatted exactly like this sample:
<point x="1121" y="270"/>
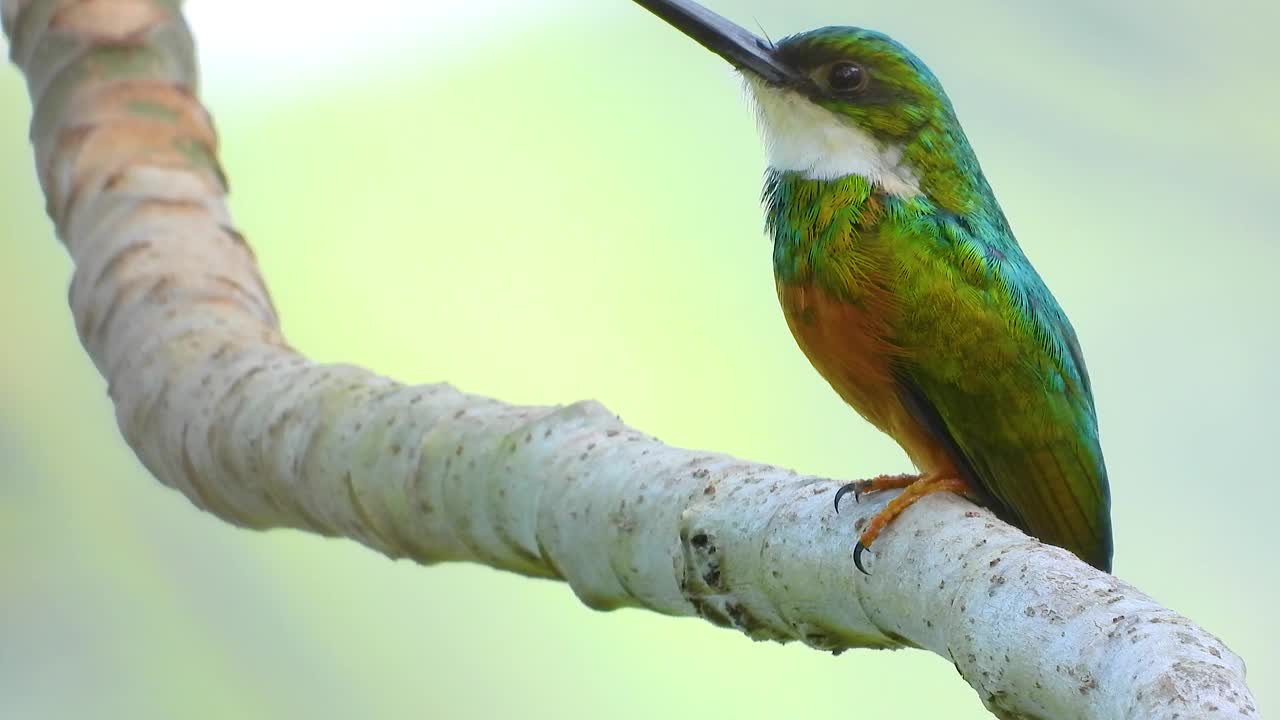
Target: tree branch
<point x="168" y="302"/>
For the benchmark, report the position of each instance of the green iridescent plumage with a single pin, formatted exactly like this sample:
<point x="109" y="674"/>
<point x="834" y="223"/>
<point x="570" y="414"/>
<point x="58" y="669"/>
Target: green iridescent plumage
<point x="902" y="282"/>
<point x="989" y="360"/>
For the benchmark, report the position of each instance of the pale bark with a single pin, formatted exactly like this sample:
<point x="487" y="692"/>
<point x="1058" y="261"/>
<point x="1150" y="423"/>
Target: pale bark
<point x="168" y="301"/>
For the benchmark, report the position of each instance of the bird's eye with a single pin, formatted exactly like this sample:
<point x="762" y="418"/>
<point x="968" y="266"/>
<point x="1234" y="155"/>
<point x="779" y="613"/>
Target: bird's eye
<point x="846" y="77"/>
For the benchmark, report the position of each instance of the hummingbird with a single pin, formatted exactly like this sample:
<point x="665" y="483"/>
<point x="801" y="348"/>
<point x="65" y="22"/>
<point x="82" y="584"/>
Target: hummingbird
<point x="901" y="281"/>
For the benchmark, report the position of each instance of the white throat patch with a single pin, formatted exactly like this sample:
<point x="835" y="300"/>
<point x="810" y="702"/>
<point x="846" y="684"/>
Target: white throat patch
<point x="806" y="138"/>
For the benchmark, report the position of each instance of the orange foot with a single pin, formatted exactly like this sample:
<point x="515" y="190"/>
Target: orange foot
<point x="915" y="489"/>
<point x="875" y="484"/>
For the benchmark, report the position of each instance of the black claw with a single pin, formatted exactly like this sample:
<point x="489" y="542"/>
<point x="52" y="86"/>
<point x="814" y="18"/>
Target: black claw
<point x="852" y="487"/>
<point x="857" y="557"/>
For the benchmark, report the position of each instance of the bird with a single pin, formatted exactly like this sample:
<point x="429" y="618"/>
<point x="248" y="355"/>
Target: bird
<point x="901" y="281"/>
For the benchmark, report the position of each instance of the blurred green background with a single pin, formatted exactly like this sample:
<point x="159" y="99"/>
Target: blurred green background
<point x="553" y="201"/>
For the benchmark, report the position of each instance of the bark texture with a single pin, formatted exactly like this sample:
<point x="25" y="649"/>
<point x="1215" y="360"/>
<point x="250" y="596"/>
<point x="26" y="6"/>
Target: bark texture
<point x="169" y="303"/>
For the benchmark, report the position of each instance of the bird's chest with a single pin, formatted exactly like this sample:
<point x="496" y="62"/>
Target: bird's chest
<point x="848" y="342"/>
<point x="834" y="263"/>
<point x="851" y="345"/>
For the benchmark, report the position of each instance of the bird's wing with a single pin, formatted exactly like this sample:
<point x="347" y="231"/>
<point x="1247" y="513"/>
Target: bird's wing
<point x="997" y="375"/>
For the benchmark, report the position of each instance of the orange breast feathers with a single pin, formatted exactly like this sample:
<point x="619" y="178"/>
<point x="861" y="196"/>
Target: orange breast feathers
<point x="850" y="344"/>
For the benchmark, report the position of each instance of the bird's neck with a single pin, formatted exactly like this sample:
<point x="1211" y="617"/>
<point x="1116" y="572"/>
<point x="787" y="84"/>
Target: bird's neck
<point x="828" y="231"/>
<point x="929" y="157"/>
<point x="813" y="221"/>
<point x="950" y="176"/>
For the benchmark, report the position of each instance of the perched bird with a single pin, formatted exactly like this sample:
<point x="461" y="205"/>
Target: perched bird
<point x="903" y="284"/>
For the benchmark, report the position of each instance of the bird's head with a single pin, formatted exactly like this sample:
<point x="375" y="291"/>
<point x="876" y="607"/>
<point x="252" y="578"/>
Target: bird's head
<point x="841" y="101"/>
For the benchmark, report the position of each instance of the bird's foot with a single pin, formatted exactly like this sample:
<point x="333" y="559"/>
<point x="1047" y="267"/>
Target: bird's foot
<point x="875" y="484"/>
<point x="921" y="487"/>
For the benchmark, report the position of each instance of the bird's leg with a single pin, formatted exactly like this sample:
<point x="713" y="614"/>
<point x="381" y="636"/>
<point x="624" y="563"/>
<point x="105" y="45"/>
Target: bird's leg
<point x="926" y="485"/>
<point x="875" y="484"/>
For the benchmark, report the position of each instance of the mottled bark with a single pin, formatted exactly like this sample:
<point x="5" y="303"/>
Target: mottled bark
<point x="169" y="303"/>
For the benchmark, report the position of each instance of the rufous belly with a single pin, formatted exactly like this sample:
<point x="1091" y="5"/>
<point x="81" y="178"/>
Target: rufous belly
<point x="851" y="345"/>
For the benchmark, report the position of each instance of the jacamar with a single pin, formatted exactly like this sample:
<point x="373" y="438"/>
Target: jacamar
<point x="902" y="282"/>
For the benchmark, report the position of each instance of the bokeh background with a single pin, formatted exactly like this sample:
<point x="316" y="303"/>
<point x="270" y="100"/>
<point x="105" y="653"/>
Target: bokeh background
<point x="556" y="200"/>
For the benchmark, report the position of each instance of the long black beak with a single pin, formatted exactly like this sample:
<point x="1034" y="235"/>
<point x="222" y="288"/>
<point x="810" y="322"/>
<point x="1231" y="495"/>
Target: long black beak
<point x="743" y="49"/>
